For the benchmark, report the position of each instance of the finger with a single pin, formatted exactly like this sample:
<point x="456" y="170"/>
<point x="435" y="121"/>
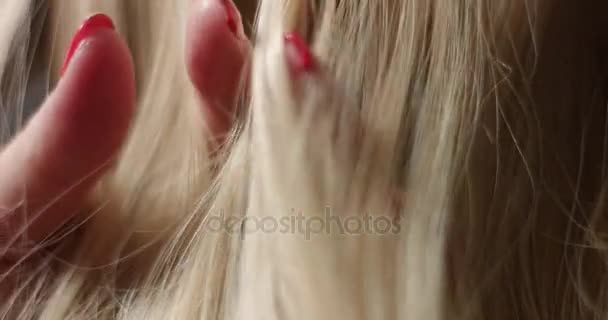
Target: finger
<point x="48" y="168"/>
<point x="217" y="53"/>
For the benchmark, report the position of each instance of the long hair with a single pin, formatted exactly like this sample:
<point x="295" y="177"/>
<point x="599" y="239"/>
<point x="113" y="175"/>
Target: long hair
<point x="446" y="161"/>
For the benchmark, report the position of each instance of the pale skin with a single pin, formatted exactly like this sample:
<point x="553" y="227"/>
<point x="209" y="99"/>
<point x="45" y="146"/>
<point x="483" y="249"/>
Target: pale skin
<point x="62" y="152"/>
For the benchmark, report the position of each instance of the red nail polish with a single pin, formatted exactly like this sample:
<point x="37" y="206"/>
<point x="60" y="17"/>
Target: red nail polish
<point x="90" y="25"/>
<point x="232" y="17"/>
<point x="298" y="52"/>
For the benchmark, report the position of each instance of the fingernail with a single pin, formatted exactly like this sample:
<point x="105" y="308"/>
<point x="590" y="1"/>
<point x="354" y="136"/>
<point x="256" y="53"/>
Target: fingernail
<point x="232" y="16"/>
<point x="298" y="53"/>
<point x="90" y="25"/>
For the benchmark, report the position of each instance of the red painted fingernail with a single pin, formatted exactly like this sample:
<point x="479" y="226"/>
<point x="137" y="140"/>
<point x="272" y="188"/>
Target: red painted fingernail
<point x="232" y="17"/>
<point x="90" y="25"/>
<point x="298" y="52"/>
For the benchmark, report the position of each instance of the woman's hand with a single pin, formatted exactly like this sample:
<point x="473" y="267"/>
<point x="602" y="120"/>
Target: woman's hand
<point x="49" y="168"/>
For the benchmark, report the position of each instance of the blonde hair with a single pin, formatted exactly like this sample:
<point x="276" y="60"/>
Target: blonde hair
<point x="477" y="127"/>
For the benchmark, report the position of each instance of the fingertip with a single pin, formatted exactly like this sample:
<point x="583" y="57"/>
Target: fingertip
<point x="96" y="96"/>
<point x="216" y="55"/>
<point x="91" y="25"/>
